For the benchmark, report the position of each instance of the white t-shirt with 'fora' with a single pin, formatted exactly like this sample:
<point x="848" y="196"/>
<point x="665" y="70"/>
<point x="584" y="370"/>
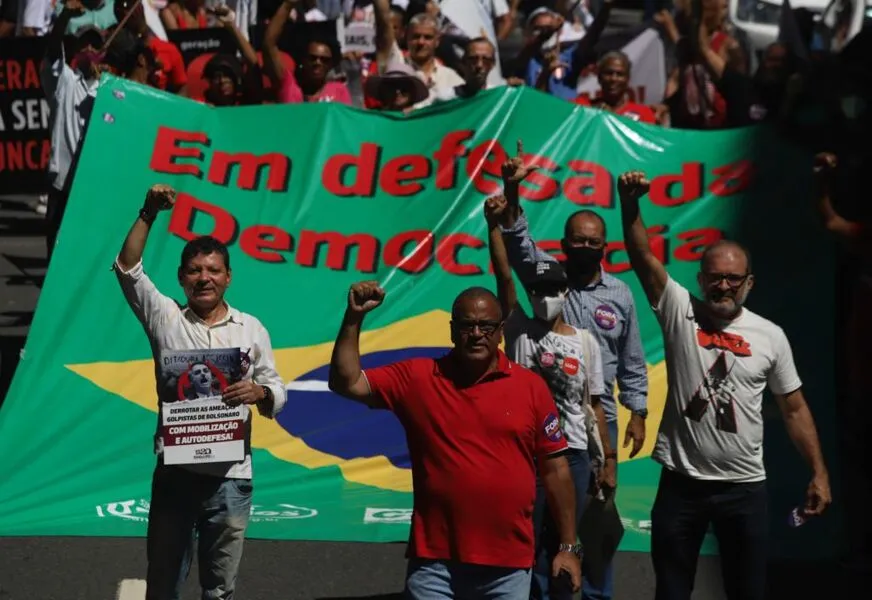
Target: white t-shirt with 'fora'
<point x="712" y="427"/>
<point x="560" y="361"/>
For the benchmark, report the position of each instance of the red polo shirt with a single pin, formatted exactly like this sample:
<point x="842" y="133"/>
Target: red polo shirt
<point x="472" y="452"/>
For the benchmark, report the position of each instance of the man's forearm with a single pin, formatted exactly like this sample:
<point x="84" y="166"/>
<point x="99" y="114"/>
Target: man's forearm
<point x="801" y="429"/>
<point x="635" y="234"/>
<point x="134" y="243"/>
<point x="345" y="367"/>
<point x="560" y="491"/>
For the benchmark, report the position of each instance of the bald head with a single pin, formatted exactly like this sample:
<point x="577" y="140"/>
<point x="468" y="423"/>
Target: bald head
<point x="476" y="297"/>
<point x="725" y="252"/>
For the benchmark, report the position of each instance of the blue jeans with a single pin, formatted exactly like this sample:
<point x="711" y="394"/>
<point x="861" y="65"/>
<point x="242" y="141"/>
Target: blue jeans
<point x="545" y="529"/>
<point x="188" y="507"/>
<point x="437" y="579"/>
<point x="588" y="590"/>
<point x="680" y="517"/>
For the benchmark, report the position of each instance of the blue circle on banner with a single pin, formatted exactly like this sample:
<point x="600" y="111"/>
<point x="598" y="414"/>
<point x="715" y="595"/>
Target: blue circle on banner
<point x="343" y="428"/>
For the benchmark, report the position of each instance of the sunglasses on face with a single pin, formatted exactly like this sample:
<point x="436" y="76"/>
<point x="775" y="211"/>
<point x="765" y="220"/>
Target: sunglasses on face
<point x="486" y="327"/>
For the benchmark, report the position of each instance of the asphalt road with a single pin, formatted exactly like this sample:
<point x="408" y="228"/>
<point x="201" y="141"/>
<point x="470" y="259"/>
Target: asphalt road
<point x="67" y="568"/>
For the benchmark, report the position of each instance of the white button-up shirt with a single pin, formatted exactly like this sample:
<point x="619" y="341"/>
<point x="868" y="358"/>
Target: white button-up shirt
<point x="170" y="326"/>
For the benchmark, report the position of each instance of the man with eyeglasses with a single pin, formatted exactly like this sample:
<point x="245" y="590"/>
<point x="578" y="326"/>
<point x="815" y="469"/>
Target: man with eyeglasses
<point x="476" y="425"/>
<point x="719" y="358"/>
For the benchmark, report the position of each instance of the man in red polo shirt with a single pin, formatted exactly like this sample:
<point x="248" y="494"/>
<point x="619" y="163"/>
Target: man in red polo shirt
<point x="476" y="425"/>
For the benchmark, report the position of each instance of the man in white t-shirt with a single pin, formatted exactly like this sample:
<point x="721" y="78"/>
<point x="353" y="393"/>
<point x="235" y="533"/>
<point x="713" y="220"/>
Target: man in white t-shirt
<point x="720" y="357"/>
<point x="568" y="360"/>
<point x="422" y="39"/>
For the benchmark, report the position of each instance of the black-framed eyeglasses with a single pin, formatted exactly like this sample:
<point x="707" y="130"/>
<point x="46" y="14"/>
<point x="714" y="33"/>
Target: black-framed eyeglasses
<point x="733" y="280"/>
<point x="486" y="327"/>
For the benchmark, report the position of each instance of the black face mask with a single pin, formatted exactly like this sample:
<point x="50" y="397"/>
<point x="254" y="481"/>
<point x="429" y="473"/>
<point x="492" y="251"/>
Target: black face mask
<point x="583" y="260"/>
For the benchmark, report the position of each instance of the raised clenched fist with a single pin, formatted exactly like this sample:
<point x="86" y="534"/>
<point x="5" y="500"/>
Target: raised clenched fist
<point x="632" y="185"/>
<point x="365" y="296"/>
<point x="825" y="163"/>
<point x="160" y="197"/>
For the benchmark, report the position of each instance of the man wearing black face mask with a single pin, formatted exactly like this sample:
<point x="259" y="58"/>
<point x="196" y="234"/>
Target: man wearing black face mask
<point x="596" y="301"/>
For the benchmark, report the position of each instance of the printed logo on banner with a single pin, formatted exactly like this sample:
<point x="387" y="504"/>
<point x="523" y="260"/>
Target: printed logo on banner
<point x="388" y="515"/>
<point x="137" y="510"/>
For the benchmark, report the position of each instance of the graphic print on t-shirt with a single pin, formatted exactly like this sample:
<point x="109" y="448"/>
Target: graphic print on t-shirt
<point x="715" y="388"/>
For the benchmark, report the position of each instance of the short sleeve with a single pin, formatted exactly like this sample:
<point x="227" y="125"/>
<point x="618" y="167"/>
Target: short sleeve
<point x="594" y="374"/>
<point x="549" y="436"/>
<point x="391" y="383"/>
<point x="675" y="304"/>
<point x="515" y="325"/>
<point x="783" y="377"/>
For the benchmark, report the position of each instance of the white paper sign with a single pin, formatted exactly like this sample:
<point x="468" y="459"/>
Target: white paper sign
<point x="359" y="37"/>
<point x="202" y="431"/>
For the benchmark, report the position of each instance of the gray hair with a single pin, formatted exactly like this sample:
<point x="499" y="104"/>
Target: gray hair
<point x="424" y="19"/>
<point x="614" y="55"/>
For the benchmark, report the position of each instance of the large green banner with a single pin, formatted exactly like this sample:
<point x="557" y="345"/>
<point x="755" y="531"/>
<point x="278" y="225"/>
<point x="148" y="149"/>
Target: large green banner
<point x="314" y="197"/>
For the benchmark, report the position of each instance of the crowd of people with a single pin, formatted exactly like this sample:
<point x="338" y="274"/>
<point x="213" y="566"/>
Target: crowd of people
<point x="534" y="428"/>
<point x="292" y="52"/>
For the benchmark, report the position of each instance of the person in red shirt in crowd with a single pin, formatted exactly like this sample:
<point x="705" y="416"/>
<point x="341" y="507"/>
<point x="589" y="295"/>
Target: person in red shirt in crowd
<point x="613" y="71"/>
<point x="477" y="426"/>
<point x="170" y="71"/>
<point x="311" y="83"/>
<point x="694" y="100"/>
<point x="184" y="14"/>
<point x="399" y="89"/>
<point x="232" y="83"/>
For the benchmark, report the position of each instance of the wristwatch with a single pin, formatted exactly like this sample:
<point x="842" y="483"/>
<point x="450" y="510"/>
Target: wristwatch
<point x="573" y="548"/>
<point x="642" y="412"/>
<point x="147" y="216"/>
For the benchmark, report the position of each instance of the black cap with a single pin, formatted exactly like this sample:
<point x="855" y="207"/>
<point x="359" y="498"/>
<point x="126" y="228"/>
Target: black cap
<point x="226" y="63"/>
<point x="548" y="273"/>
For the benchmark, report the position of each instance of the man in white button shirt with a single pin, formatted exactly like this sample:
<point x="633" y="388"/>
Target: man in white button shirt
<point x="422" y="39"/>
<point x="720" y="357"/>
<point x="211" y="500"/>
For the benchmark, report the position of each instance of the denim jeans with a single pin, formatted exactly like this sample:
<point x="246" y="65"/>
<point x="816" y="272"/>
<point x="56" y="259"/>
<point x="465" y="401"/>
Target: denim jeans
<point x="188" y="508"/>
<point x="589" y="591"/>
<point x="545" y="529"/>
<point x="438" y="579"/>
<point x="682" y="511"/>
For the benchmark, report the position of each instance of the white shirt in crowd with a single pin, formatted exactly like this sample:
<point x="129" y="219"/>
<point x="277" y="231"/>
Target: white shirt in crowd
<point x="70" y="97"/>
<point x="35" y="14"/>
<point x="712" y="427"/>
<point x="173" y="327"/>
<point x="441" y="83"/>
<point x="560" y="361"/>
